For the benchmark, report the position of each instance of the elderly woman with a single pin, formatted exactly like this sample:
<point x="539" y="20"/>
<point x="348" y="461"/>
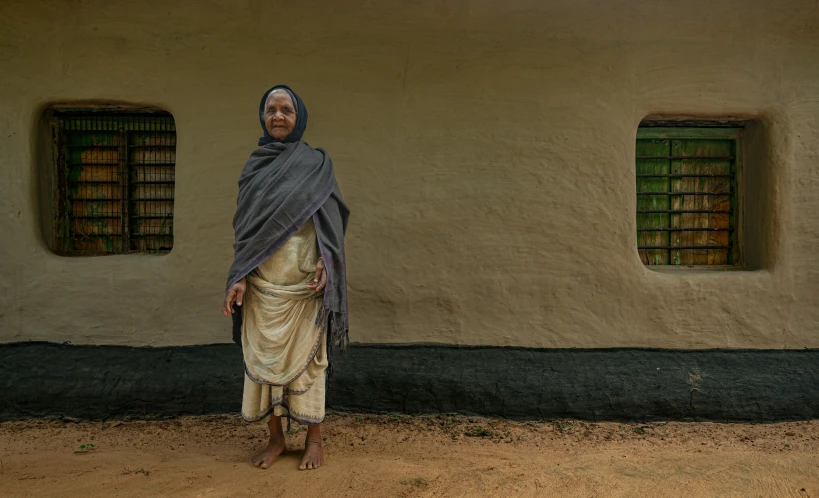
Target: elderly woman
<point x="286" y="288"/>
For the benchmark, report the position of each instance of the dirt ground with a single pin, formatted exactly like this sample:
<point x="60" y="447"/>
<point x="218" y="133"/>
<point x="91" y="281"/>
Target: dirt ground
<point x="395" y="455"/>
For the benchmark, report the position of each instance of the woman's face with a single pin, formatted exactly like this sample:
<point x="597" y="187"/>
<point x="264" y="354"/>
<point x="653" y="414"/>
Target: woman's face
<point x="279" y="114"/>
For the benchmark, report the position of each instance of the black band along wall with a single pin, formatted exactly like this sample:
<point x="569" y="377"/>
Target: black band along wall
<point x="99" y="382"/>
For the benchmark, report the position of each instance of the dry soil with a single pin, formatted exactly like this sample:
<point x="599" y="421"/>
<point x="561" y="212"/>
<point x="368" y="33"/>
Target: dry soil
<point x="395" y="455"/>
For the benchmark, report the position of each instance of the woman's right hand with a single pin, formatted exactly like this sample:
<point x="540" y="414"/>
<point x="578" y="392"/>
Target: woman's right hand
<point x="234" y="295"/>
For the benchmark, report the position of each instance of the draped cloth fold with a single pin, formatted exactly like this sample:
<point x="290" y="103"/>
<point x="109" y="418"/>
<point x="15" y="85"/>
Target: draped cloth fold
<point x="284" y="350"/>
<point x="282" y="187"/>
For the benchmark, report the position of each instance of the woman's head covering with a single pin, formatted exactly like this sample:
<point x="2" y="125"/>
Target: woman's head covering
<point x="301" y="118"/>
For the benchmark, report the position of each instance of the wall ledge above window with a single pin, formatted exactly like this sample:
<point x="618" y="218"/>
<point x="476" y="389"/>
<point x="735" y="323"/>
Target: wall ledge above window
<point x="683" y="121"/>
<point x="676" y="269"/>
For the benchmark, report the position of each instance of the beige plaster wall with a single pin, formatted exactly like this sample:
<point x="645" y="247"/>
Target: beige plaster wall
<point x="486" y="149"/>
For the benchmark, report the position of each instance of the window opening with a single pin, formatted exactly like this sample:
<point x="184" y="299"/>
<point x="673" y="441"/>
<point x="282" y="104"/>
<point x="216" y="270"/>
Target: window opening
<point x="115" y="182"/>
<point x="687" y="195"/>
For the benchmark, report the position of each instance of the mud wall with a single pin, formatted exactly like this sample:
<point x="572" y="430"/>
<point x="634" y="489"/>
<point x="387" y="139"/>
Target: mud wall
<point x="486" y="150"/>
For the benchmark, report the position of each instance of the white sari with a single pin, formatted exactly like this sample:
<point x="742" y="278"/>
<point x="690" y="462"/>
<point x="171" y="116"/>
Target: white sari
<point x="284" y="350"/>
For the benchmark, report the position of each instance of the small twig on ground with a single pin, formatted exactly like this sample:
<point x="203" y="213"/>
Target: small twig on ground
<point x="418" y="482"/>
<point x="140" y="470"/>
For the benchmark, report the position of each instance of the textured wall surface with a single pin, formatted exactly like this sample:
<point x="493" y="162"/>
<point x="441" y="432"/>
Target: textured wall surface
<point x="39" y="379"/>
<point x="486" y="149"/>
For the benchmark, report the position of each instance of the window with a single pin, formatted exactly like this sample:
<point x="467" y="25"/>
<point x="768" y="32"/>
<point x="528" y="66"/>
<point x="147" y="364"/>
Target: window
<point x="114" y="185"/>
<point x="687" y="195"/>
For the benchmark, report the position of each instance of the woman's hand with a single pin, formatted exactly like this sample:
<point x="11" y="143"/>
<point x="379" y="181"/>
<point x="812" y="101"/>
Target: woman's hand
<point x="320" y="279"/>
<point x="234" y="295"/>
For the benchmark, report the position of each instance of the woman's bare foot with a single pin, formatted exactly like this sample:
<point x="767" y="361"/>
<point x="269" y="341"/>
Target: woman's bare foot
<point x="313" y="451"/>
<point x="266" y="457"/>
<point x="275" y="447"/>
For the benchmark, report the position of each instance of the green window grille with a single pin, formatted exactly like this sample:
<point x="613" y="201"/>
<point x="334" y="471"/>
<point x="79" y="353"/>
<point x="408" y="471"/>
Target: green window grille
<point x="687" y="195"/>
<point x="115" y="182"/>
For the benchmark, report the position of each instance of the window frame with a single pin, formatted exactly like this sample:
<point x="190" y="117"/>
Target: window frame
<point x="692" y="130"/>
<point x="133" y="120"/>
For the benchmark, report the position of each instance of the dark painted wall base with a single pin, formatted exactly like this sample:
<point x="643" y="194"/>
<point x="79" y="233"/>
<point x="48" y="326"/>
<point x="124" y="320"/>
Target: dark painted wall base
<point x="98" y="382"/>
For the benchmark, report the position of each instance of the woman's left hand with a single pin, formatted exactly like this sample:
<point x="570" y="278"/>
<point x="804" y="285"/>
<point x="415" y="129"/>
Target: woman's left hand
<point x="320" y="280"/>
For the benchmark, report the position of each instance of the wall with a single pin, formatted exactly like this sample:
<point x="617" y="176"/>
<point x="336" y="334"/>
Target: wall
<point x="486" y="150"/>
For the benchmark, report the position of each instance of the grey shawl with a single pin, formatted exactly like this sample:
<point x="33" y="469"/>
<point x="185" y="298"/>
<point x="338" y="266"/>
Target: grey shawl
<point x="281" y="186"/>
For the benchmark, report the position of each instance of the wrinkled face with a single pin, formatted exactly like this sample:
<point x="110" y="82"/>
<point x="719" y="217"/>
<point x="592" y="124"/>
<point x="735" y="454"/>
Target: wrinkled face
<point x="279" y="114"/>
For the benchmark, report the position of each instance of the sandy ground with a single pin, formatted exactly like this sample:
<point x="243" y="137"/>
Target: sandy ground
<point x="393" y="455"/>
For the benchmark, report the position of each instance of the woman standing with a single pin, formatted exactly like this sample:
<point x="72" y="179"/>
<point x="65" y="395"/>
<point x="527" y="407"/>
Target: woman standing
<point x="286" y="288"/>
